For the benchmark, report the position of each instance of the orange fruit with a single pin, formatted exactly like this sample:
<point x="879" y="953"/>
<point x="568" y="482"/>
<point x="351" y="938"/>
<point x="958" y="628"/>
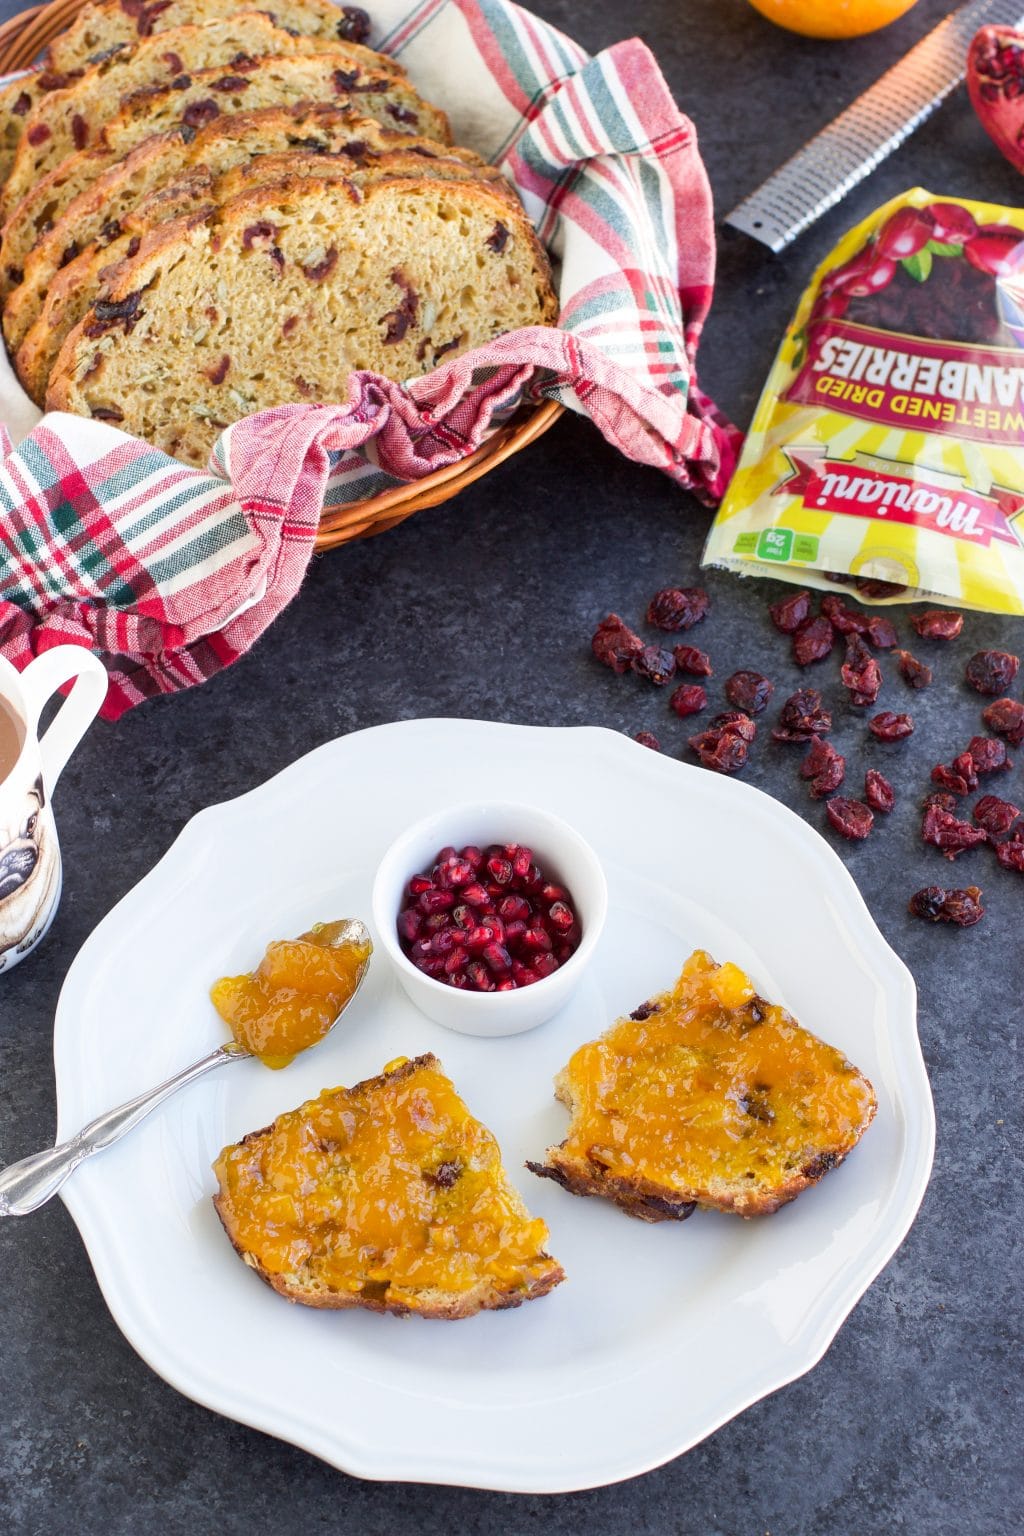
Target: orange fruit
<point x="832" y="18"/>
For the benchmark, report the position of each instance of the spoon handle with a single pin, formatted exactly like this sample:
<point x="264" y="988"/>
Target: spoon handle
<point x="28" y="1184"/>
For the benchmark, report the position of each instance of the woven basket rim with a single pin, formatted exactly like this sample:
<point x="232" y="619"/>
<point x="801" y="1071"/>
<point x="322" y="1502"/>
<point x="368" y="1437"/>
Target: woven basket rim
<point x="22" y="37"/>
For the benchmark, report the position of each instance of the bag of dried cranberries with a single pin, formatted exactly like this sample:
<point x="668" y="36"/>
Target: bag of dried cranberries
<point x="886" y="450"/>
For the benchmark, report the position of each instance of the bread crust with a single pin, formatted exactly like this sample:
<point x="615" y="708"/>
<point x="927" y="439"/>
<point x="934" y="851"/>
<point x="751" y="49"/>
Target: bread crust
<point x="432" y="1304"/>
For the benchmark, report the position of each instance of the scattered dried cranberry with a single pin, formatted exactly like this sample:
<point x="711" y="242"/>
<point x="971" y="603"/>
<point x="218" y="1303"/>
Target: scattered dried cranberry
<point x="508" y="932"/>
<point x="995" y="815"/>
<point x="1006" y="718"/>
<point x="913" y="671"/>
<point x="992" y="672"/>
<point x="724" y="745"/>
<point x="845" y="621"/>
<point x="790" y="612"/>
<point x="851" y="818"/>
<point x="938" y="623"/>
<point x="802" y="717"/>
<point x="648" y="739"/>
<point x="889" y="727"/>
<point x="1011" y="853"/>
<point x="949" y="833"/>
<point x="942" y="798"/>
<point x="813" y="641"/>
<point x="878" y="792"/>
<point x="874" y="586"/>
<point x="881" y="633"/>
<point x="693" y="661"/>
<point x="749" y="691"/>
<point x="824" y="766"/>
<point x="860" y="673"/>
<point x="959" y="777"/>
<point x="988" y="755"/>
<point x="735" y="720"/>
<point x="677" y="608"/>
<point x="688" y="699"/>
<point x="938" y="905"/>
<point x="655" y="663"/>
<point x="615" y="644"/>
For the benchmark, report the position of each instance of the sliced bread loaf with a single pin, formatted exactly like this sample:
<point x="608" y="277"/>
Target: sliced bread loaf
<point x="73" y="108"/>
<point x="289" y="287"/>
<point x="388" y="1195"/>
<point x="76" y="287"/>
<point x="197" y="98"/>
<point x="112" y="23"/>
<point x="94" y="215"/>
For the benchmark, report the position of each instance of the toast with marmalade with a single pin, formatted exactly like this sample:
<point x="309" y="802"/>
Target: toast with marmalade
<point x="388" y="1195"/>
<point x="706" y="1095"/>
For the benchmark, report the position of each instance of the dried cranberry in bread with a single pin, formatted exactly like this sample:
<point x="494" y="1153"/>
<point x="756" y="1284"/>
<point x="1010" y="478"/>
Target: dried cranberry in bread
<point x="284" y="291"/>
<point x="77" y="286"/>
<point x="706" y="1095"/>
<point x="97" y="211"/>
<point x="72" y="109"/>
<point x="389" y="1195"/>
<point x="97" y="28"/>
<point x="199" y="97"/>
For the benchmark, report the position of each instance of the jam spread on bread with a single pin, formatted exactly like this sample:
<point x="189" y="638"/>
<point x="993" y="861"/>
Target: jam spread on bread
<point x="387" y="1195"/>
<point x="707" y="1095"/>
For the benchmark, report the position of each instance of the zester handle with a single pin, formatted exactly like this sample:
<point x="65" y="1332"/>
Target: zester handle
<point x="836" y="159"/>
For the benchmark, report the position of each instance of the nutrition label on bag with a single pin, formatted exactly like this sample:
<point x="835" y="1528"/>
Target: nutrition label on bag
<point x="886" y="448"/>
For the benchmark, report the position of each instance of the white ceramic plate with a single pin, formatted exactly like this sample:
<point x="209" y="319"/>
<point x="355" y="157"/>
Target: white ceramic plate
<point x="661" y="1333"/>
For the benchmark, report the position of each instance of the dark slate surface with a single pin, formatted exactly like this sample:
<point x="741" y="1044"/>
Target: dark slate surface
<point x="484" y="607"/>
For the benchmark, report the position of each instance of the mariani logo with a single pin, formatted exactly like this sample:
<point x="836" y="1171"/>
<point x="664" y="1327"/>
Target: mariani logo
<point x="874" y="488"/>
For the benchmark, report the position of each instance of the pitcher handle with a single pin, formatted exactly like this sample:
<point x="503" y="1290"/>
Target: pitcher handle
<point x="41" y="678"/>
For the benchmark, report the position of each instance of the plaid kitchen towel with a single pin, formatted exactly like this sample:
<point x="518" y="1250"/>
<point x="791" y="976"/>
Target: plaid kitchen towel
<point x="171" y="573"/>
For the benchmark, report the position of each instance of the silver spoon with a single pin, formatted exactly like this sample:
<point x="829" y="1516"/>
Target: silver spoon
<point x="28" y="1184"/>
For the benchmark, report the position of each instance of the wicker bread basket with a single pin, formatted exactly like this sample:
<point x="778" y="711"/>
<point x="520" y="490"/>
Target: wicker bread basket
<point x="21" y="39"/>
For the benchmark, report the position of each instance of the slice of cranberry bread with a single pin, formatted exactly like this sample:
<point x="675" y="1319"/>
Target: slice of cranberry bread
<point x="197" y="98"/>
<point x="99" y="27"/>
<point x="387" y="1195"/>
<point x="95" y="215"/>
<point x="76" y="287"/>
<point x="289" y="287"/>
<point x="72" y="110"/>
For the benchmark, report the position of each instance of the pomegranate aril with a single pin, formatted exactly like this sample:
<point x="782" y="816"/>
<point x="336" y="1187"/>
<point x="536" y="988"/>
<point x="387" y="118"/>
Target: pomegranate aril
<point x="500" y="870"/>
<point x="435" y="901"/>
<point x="463" y="916"/>
<point x="544" y="965"/>
<point x="473" y="856"/>
<point x="564" y="952"/>
<point x="536" y="940"/>
<point x="497" y="958"/>
<point x="432" y="966"/>
<point x="436" y="922"/>
<point x="514" y="932"/>
<point x="513" y="908"/>
<point x="455" y="960"/>
<point x="480" y="978"/>
<point x="445" y="853"/>
<point x="421" y="951"/>
<point x="409" y="924"/>
<point x="443" y="942"/>
<point x="457" y="979"/>
<point x="521" y="861"/>
<point x="523" y="975"/>
<point x="561" y="917"/>
<point x="532" y="880"/>
<point x="476" y="895"/>
<point x="418" y="884"/>
<point x="453" y="873"/>
<point x="552" y="893"/>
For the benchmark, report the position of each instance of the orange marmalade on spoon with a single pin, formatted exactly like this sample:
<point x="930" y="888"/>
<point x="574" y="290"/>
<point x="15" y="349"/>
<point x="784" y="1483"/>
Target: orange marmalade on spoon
<point x="296" y="992"/>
